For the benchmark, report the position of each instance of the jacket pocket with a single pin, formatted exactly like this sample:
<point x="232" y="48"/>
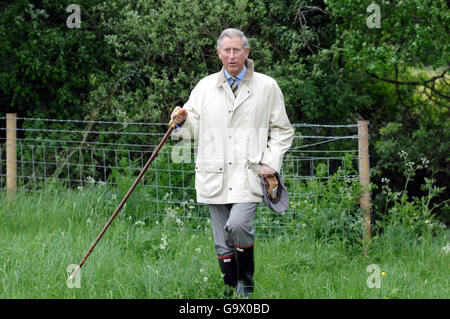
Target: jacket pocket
<point x="252" y="178"/>
<point x="209" y="175"/>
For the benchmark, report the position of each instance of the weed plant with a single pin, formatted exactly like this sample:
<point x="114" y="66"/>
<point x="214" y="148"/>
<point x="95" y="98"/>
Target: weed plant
<point x="171" y="255"/>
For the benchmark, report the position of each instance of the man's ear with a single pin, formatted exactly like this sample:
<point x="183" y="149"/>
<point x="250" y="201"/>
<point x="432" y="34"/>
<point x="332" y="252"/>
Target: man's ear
<point x="247" y="52"/>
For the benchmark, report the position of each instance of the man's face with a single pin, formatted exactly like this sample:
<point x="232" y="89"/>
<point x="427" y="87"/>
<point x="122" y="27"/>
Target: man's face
<point x="233" y="54"/>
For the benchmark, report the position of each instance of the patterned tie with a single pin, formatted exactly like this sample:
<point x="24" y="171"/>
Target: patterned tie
<point x="234" y="86"/>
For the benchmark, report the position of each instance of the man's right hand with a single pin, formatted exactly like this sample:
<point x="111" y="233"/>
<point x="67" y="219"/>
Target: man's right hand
<point x="178" y="116"/>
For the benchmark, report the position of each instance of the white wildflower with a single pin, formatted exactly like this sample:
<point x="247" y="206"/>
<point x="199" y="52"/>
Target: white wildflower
<point x="402" y="154"/>
<point x="171" y="212"/>
<point x="164" y="243"/>
<point x="179" y="221"/>
<point x="139" y="223"/>
<point x="446" y="248"/>
<point x="410" y="164"/>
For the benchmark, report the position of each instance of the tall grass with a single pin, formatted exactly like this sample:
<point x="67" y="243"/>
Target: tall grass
<point x="42" y="233"/>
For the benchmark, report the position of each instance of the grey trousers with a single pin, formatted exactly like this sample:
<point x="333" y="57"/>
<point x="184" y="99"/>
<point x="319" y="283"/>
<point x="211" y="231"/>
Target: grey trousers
<point x="232" y="226"/>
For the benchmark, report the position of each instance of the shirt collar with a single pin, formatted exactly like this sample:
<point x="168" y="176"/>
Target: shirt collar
<point x="240" y="76"/>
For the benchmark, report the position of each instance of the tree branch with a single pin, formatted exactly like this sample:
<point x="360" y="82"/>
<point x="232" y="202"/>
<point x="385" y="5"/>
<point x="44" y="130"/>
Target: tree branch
<point x="434" y="78"/>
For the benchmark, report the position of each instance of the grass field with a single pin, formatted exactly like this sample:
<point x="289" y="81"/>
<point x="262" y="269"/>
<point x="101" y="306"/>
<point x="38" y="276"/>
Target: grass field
<point x="42" y="234"/>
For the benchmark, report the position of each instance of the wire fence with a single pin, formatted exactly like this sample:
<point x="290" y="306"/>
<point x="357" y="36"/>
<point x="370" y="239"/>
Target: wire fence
<point x="78" y="153"/>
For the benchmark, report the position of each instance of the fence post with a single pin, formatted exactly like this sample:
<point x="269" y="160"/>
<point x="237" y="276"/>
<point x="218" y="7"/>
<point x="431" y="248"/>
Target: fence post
<point x="11" y="154"/>
<point x="364" y="180"/>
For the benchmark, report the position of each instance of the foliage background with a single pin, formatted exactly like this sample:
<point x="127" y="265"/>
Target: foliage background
<point x="136" y="60"/>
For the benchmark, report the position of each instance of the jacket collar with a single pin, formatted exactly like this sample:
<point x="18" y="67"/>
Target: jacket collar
<point x="248" y="76"/>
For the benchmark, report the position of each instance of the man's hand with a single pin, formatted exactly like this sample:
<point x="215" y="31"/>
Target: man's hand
<point x="266" y="171"/>
<point x="178" y="116"/>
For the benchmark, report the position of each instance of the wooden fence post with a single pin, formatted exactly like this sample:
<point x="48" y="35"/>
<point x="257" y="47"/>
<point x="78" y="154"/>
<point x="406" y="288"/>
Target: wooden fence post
<point x="364" y="180"/>
<point x="11" y="154"/>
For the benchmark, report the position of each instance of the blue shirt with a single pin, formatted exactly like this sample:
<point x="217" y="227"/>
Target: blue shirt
<point x="239" y="77"/>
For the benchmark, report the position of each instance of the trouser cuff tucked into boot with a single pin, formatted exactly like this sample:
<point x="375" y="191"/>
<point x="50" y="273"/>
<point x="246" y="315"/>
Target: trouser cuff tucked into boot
<point x="245" y="270"/>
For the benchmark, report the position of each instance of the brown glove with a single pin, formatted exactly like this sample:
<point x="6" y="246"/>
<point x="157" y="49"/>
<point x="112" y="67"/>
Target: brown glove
<point x="178" y="116"/>
<point x="272" y="186"/>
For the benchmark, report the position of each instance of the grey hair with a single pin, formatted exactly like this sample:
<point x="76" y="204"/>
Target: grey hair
<point x="232" y="33"/>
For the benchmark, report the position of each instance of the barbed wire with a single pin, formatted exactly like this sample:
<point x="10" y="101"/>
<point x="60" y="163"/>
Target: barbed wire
<point x="85" y="121"/>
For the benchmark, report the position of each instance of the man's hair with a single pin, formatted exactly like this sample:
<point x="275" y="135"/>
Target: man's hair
<point x="232" y="33"/>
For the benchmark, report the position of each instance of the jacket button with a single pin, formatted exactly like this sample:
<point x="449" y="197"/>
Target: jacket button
<point x="220" y="169"/>
<point x="230" y="188"/>
<point x="229" y="163"/>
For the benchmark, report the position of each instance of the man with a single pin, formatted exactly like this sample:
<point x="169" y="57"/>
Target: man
<point x="238" y="117"/>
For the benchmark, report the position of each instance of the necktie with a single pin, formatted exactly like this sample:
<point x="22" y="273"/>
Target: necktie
<point x="234" y="86"/>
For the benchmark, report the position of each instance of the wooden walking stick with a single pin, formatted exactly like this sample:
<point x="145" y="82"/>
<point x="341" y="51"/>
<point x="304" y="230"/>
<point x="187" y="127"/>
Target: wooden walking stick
<point x="152" y="157"/>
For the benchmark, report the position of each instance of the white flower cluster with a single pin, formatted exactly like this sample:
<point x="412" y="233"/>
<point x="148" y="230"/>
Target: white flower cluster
<point x="424" y="162"/>
<point x="92" y="181"/>
<point x="179" y="221"/>
<point x="403" y="154"/>
<point x="202" y="271"/>
<point x="164" y="242"/>
<point x="446" y="248"/>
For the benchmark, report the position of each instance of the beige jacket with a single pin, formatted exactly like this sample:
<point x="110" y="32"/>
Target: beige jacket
<point x="236" y="134"/>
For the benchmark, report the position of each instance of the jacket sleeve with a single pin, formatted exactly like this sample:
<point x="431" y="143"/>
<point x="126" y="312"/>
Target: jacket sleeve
<point x="280" y="131"/>
<point x="189" y="129"/>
